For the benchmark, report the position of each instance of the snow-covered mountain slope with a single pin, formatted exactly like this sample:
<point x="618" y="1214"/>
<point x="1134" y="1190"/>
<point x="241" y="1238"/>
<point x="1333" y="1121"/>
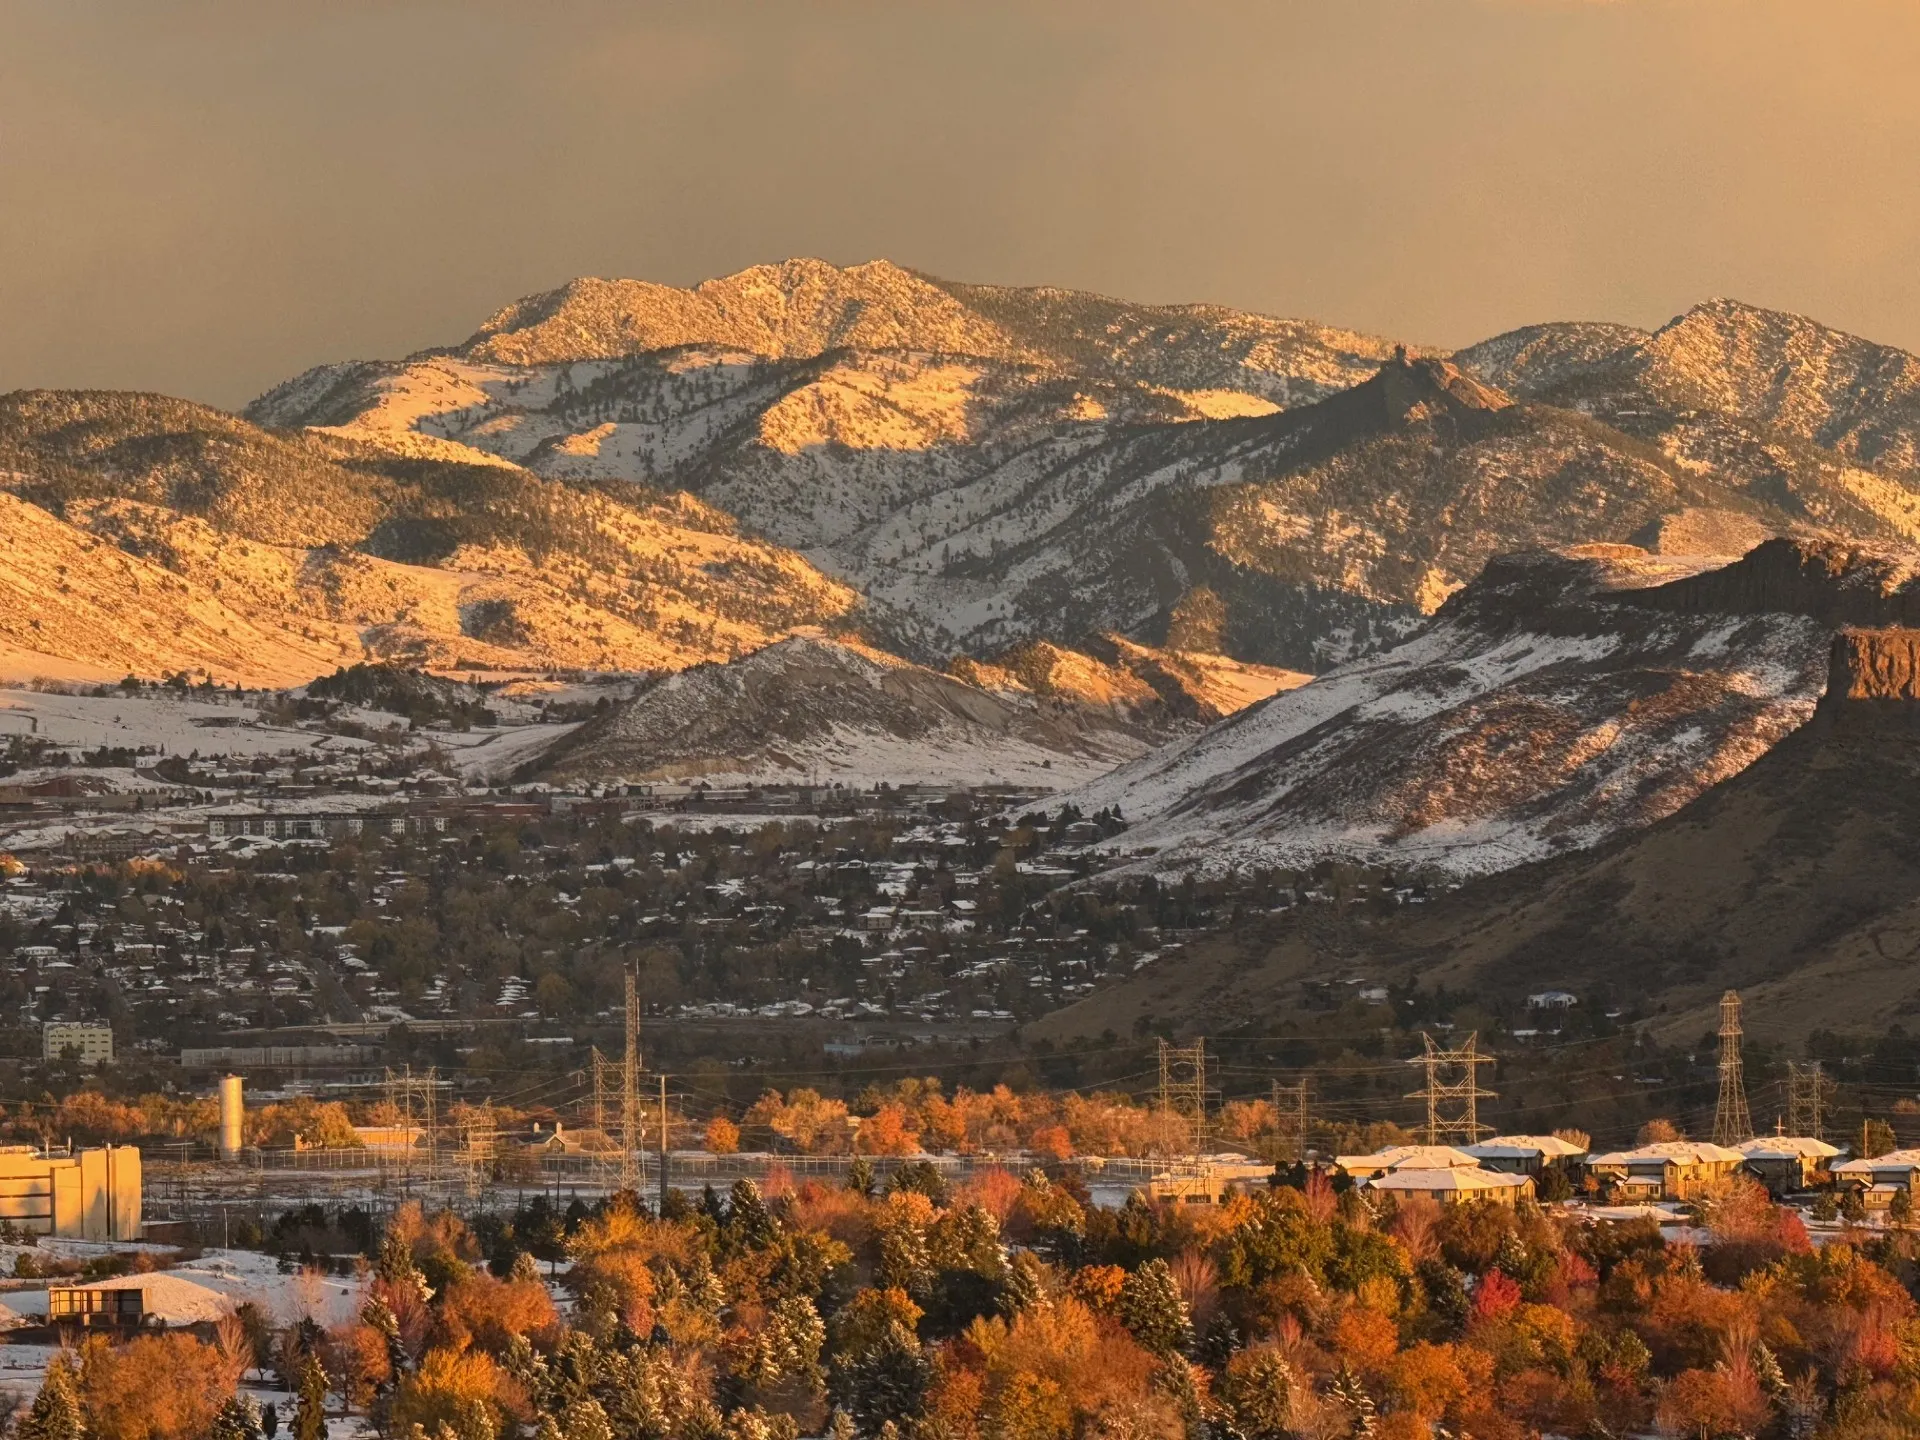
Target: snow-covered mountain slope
<point x="1793" y="882"/>
<point x="146" y="535"/>
<point x="803" y="308"/>
<point x="993" y="465"/>
<point x="1561" y="698"/>
<point x="1818" y="422"/>
<point x="1166" y="686"/>
<point x="813" y="708"/>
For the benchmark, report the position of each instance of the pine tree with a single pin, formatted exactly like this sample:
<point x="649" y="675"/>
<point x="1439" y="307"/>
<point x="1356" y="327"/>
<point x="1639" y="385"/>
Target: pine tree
<point x="1154" y="1311"/>
<point x="55" y="1414"/>
<point x="1026" y="1283"/>
<point x="395" y="1266"/>
<point x="860" y="1176"/>
<point x="238" y="1420"/>
<point x="749" y="1222"/>
<point x="310" y="1404"/>
<point x="1349" y="1392"/>
<point x="887" y="1382"/>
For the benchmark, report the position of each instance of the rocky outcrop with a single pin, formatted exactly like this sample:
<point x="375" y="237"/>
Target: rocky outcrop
<point x="1873" y="683"/>
<point x="1833" y="581"/>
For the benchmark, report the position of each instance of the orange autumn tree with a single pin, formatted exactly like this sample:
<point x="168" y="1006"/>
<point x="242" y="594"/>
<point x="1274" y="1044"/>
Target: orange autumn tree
<point x="157" y="1387"/>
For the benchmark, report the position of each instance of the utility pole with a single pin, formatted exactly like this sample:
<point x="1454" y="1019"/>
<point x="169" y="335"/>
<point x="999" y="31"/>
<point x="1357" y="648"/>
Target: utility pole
<point x="1183" y="1090"/>
<point x="1290" y="1117"/>
<point x="1731" y="1122"/>
<point x="1807" y="1089"/>
<point x="630" y="1122"/>
<point x="1463" y="1065"/>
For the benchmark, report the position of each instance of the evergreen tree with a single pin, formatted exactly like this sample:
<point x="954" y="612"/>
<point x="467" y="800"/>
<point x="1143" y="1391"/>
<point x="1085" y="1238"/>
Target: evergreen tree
<point x="1154" y="1311"/>
<point x="55" y="1414"/>
<point x="1026" y="1283"/>
<point x="237" y="1420"/>
<point x="395" y="1266"/>
<point x="887" y="1382"/>
<point x="1349" y="1392"/>
<point x="860" y="1176"/>
<point x="749" y="1223"/>
<point x="378" y="1315"/>
<point x="310" y="1402"/>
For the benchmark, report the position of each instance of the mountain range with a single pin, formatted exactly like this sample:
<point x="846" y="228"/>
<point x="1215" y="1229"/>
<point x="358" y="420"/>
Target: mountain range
<point x="1044" y="517"/>
<point x="990" y="465"/>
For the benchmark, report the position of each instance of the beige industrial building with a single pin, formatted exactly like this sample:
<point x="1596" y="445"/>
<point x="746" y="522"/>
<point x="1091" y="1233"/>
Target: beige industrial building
<point x="88" y="1195"/>
<point x="92" y="1043"/>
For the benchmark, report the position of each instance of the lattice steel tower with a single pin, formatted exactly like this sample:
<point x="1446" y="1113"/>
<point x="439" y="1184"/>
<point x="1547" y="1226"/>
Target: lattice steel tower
<point x="1462" y="1089"/>
<point x="1183" y="1089"/>
<point x="1807" y="1087"/>
<point x="631" y="1124"/>
<point x="1290" y="1118"/>
<point x="1731" y="1122"/>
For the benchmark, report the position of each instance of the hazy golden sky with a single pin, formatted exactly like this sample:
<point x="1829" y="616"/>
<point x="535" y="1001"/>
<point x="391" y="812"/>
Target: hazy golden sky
<point x="204" y="198"/>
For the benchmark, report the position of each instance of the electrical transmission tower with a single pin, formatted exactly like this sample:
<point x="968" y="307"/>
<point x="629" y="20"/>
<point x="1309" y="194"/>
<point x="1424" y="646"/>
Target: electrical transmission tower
<point x="1807" y="1091"/>
<point x="631" y="1124"/>
<point x="1183" y="1090"/>
<point x="479" y="1136"/>
<point x="412" y="1098"/>
<point x="1731" y="1122"/>
<point x="1290" y="1119"/>
<point x="604" y="1155"/>
<point x="1453" y="1080"/>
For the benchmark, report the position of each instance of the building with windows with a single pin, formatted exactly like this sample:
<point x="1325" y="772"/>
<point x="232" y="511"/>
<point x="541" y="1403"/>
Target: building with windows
<point x="1528" y="1154"/>
<point x="86" y="1195"/>
<point x="89" y="1041"/>
<point x="1405" y="1157"/>
<point x="1787" y="1162"/>
<point x="1666" y="1170"/>
<point x="1454" y="1185"/>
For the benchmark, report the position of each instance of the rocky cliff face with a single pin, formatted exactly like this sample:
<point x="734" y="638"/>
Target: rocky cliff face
<point x="1873" y="683"/>
<point x="1835" y="582"/>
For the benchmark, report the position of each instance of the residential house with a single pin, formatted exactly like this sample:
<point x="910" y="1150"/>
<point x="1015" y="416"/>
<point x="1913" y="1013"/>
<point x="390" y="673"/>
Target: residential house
<point x="1785" y="1163"/>
<point x="1880" y="1178"/>
<point x="1527" y="1154"/>
<point x="1455" y="1185"/>
<point x="1666" y="1170"/>
<point x="1405" y="1157"/>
